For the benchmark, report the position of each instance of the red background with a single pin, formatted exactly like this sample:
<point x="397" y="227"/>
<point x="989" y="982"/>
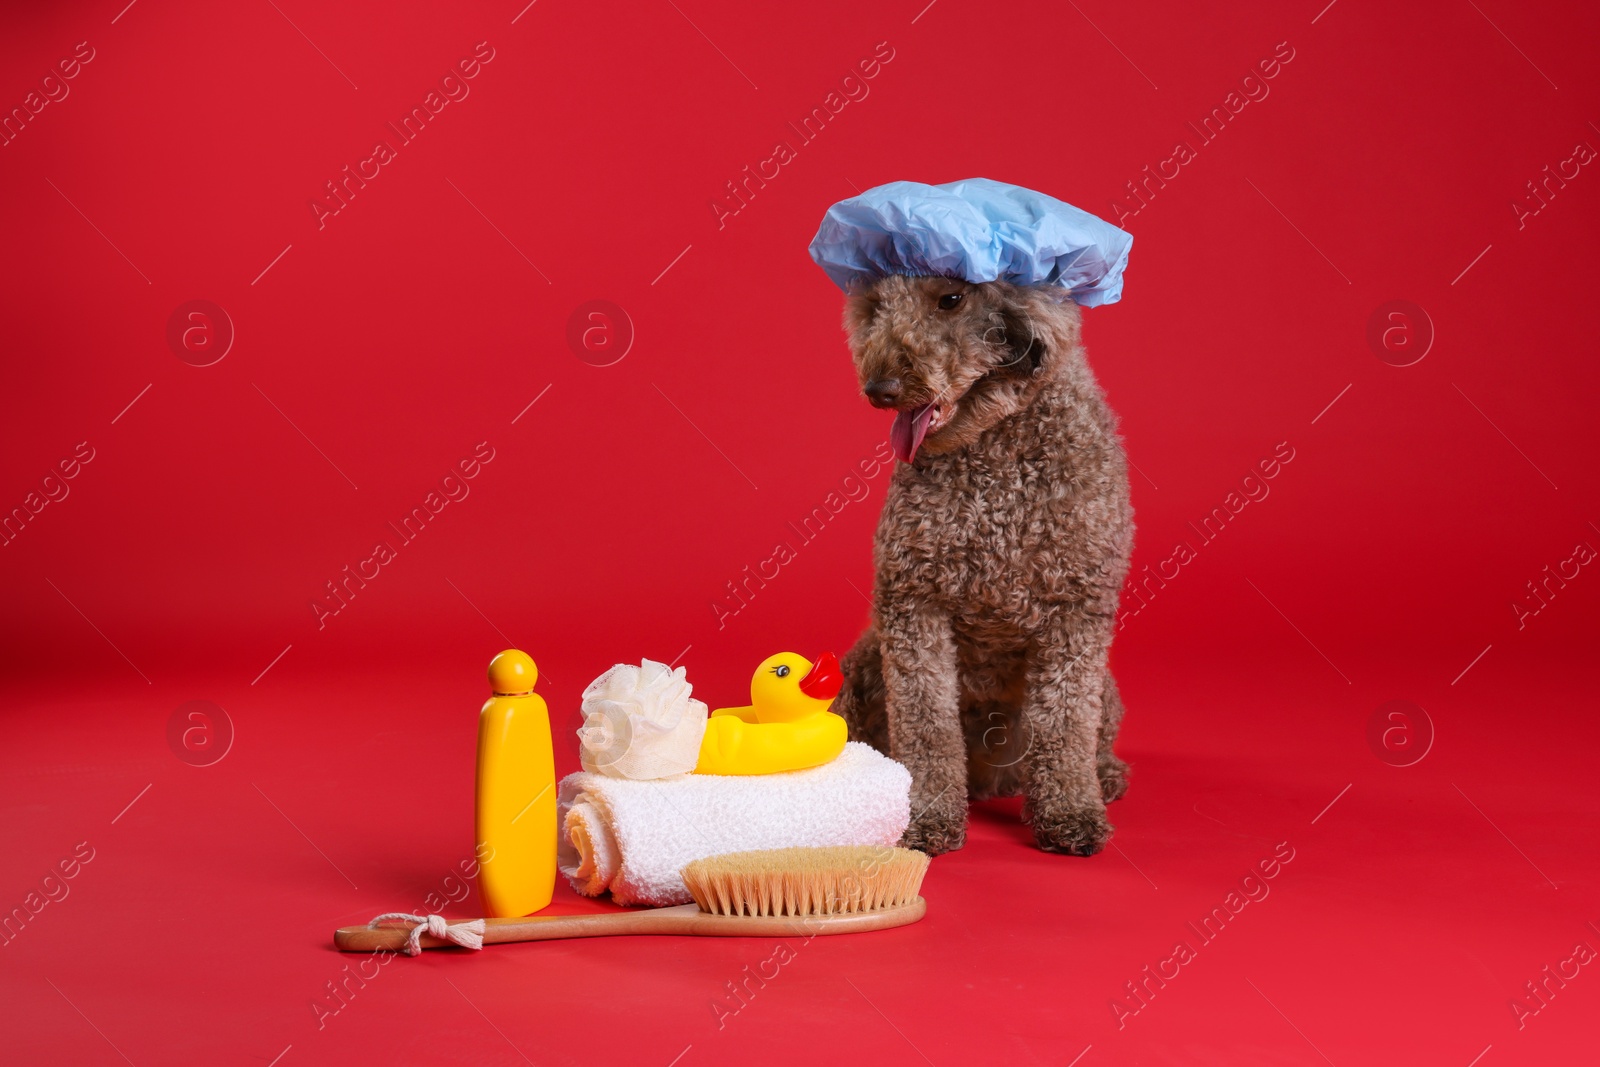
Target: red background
<point x="375" y="352"/>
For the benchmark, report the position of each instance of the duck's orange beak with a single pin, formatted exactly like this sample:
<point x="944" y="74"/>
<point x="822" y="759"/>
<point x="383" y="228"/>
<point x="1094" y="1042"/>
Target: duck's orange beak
<point x="824" y="680"/>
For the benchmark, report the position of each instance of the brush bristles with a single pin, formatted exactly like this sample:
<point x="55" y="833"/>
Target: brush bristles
<point x="839" y="880"/>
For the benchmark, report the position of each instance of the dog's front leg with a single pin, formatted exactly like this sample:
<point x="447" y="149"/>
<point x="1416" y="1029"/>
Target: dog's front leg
<point x="922" y="698"/>
<point x="1065" y="675"/>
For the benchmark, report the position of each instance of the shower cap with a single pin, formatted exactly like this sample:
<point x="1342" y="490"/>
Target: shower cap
<point x="975" y="229"/>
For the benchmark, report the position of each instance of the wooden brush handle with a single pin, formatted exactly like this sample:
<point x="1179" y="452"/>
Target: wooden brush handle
<point x="684" y="920"/>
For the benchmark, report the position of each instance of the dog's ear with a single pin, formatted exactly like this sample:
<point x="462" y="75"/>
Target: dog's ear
<point x="1023" y="341"/>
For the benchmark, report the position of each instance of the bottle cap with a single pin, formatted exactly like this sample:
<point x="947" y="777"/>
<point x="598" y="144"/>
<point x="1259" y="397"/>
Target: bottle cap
<point x="512" y="673"/>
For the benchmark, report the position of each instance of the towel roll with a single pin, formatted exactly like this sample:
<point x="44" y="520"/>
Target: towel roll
<point x="634" y="837"/>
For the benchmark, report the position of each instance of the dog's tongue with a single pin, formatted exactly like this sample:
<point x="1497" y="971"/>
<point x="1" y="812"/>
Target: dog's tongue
<point x="909" y="428"/>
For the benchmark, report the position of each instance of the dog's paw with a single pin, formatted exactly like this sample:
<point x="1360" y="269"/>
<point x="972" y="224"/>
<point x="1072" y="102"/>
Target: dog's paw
<point x="1074" y="832"/>
<point x="1113" y="774"/>
<point x="934" y="841"/>
<point x="937" y="829"/>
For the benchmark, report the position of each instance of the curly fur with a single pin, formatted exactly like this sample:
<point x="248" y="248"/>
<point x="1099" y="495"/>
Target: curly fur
<point x="999" y="556"/>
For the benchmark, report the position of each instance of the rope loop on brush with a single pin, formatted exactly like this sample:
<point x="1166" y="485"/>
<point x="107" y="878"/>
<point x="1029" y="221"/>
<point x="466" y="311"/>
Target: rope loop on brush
<point x="467" y="935"/>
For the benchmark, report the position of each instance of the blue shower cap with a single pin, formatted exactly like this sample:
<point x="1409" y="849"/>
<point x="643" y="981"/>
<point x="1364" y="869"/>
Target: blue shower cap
<point x="976" y="229"/>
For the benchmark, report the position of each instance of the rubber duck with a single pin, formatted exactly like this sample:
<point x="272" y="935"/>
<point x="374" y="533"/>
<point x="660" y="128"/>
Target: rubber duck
<point x="786" y="726"/>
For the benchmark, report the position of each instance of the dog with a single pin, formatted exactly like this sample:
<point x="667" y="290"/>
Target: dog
<point x="999" y="556"/>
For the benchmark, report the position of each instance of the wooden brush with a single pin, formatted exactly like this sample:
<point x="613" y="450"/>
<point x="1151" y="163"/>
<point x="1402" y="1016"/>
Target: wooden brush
<point x="785" y="892"/>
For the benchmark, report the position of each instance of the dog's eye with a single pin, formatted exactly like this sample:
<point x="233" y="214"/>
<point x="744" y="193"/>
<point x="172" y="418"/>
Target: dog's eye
<point x="948" y="301"/>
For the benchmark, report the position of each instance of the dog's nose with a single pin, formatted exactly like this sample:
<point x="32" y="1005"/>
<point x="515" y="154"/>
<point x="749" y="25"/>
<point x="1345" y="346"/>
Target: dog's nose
<point x="883" y="392"/>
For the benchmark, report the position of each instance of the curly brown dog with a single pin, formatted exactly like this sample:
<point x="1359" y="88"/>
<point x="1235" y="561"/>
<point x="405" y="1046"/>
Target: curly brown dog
<point x="1000" y="553"/>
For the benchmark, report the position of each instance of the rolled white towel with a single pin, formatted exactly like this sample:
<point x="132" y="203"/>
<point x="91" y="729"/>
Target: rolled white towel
<point x="634" y="837"/>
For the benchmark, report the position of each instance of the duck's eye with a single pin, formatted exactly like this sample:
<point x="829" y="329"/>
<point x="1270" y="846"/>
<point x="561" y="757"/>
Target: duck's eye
<point x="948" y="301"/>
<point x="781" y="670"/>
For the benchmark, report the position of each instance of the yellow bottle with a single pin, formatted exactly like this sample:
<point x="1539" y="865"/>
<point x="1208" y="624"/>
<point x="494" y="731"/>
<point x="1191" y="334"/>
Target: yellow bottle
<point x="516" y="813"/>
